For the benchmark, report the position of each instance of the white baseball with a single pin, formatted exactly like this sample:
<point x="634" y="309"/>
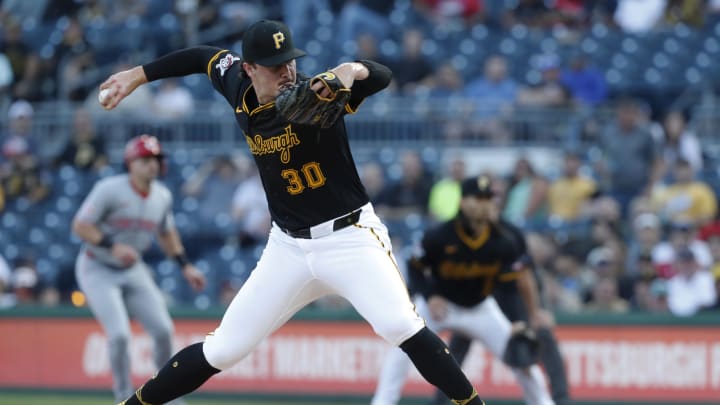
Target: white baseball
<point x="103" y="96"/>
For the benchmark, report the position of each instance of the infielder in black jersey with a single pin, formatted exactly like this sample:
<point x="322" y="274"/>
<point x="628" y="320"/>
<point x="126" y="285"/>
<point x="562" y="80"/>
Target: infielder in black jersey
<point x="460" y="264"/>
<point x="325" y="237"/>
<point x="513" y="307"/>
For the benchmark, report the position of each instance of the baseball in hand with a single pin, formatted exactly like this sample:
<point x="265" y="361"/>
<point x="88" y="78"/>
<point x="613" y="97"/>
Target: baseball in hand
<point x="104" y="96"/>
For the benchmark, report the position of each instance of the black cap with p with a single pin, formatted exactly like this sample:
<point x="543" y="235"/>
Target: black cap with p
<point x="479" y="187"/>
<point x="269" y="43"/>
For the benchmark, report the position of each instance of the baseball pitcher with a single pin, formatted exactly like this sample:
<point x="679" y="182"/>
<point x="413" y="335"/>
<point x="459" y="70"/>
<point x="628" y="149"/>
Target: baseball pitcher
<point x="325" y="238"/>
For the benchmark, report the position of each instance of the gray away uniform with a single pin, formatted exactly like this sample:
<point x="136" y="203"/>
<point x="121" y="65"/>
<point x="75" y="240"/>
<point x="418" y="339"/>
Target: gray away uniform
<point x="115" y="293"/>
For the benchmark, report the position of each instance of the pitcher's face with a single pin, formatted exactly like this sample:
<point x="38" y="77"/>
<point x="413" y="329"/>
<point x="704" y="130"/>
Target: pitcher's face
<point x="268" y="81"/>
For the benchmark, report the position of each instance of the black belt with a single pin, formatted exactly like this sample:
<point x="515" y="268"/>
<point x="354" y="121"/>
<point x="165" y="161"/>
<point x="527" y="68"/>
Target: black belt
<point x="340" y="223"/>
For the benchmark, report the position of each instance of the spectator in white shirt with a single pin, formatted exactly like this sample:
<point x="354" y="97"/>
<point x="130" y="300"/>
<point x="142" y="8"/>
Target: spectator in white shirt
<point x="681" y="235"/>
<point x="692" y="288"/>
<point x="639" y="15"/>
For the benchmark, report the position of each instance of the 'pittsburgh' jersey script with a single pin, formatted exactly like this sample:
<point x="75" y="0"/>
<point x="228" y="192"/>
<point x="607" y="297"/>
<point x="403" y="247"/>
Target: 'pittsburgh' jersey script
<point x="276" y="144"/>
<point x="467" y="269"/>
<point x="308" y="173"/>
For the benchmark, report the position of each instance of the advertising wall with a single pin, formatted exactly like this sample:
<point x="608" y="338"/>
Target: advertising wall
<point x="670" y="363"/>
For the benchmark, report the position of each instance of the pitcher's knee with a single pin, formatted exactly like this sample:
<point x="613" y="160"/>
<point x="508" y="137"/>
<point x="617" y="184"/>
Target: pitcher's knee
<point x="223" y="354"/>
<point x="397" y="332"/>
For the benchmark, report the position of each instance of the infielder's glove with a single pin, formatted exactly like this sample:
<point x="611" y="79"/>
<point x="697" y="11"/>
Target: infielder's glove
<point x="299" y="104"/>
<point x="523" y="348"/>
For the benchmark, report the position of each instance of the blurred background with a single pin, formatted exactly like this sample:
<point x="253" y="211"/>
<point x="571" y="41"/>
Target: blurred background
<point x="597" y="120"/>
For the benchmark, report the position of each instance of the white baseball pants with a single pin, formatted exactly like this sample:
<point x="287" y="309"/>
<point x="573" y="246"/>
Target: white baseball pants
<point x="484" y="322"/>
<point x="355" y="262"/>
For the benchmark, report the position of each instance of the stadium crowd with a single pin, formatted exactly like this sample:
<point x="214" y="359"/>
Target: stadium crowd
<point x="626" y="219"/>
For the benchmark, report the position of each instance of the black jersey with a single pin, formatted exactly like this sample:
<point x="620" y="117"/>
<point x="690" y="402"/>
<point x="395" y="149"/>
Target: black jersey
<point x="308" y="173"/>
<point x="465" y="269"/>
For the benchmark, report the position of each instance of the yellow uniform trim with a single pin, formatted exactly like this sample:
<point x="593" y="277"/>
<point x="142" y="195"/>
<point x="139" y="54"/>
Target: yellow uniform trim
<point x="244" y="105"/>
<point x="139" y="396"/>
<point x="389" y="253"/>
<point x="209" y="65"/>
<point x="258" y="108"/>
<point x="351" y="110"/>
<point x="466" y="401"/>
<point x="324" y="77"/>
<point x="473" y="243"/>
<point x="510" y="276"/>
<point x="382" y="244"/>
<point x="263" y="107"/>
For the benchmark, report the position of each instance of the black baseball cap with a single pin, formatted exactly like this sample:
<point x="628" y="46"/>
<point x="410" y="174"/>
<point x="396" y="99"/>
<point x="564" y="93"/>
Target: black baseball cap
<point x="269" y="43"/>
<point x="479" y="186"/>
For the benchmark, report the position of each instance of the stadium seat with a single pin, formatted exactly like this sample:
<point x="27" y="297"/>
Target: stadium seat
<point x="14" y="224"/>
<point x="47" y="270"/>
<point x="389" y="49"/>
<point x="204" y="300"/>
<point x="11" y="251"/>
<point x="169" y="285"/>
<point x="239" y="267"/>
<point x="229" y="253"/>
<point x="64" y="205"/>
<point x="185" y="224"/>
<point x="61" y="255"/>
<point x="190" y="205"/>
<point x="38" y="236"/>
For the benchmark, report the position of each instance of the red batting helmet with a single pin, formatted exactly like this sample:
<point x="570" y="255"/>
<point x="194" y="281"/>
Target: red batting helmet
<point x="145" y="146"/>
<point x="142" y="146"/>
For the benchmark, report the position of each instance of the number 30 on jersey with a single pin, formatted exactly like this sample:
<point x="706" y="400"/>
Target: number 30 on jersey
<point x="309" y="175"/>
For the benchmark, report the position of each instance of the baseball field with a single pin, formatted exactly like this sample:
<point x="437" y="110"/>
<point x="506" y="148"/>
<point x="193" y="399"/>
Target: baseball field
<point x="45" y="398"/>
<point x="80" y="399"/>
<point x="29" y="398"/>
